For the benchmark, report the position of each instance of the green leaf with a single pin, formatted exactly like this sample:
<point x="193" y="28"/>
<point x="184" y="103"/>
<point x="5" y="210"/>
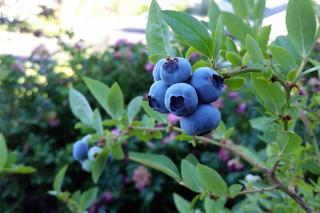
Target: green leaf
<point x="217" y="39"/>
<point x="214" y="206"/>
<point x="235" y="189"/>
<point x="292" y="75"/>
<point x="19" y="169"/>
<point x="252" y="155"/>
<point x="158" y="162"/>
<point x="182" y="204"/>
<point x="80" y="107"/>
<point x="234" y="58"/>
<point x="301" y="25"/>
<point x="263" y="36"/>
<point x="200" y="63"/>
<point x="262" y="123"/>
<point x="154" y="114"/>
<point x="157" y="32"/>
<point x="99" y="164"/>
<point x="115" y="101"/>
<point x="99" y="90"/>
<point x="284" y="42"/>
<point x="240" y="9"/>
<point x="189" y="179"/>
<point x="211" y="180"/>
<point x="270" y="93"/>
<point x="258" y="12"/>
<point x="3" y="152"/>
<point x="190" y="29"/>
<point x="213" y="14"/>
<point x="154" y="58"/>
<point x="312" y="166"/>
<point x="11" y="159"/>
<point x="87" y="198"/>
<point x="117" y="151"/>
<point x="283" y="57"/>
<point x="97" y="121"/>
<point x="59" y="179"/>
<point x="192" y="159"/>
<point x="220" y="131"/>
<point x="231" y="46"/>
<point x="289" y="142"/>
<point x="267" y="72"/>
<point x="254" y="51"/>
<point x="313" y="69"/>
<point x="134" y="108"/>
<point x="235" y="83"/>
<point x="76" y="196"/>
<point x="236" y="26"/>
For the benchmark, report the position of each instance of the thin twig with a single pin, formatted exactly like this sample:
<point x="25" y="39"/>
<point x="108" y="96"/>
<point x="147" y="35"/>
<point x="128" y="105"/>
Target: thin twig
<point x="249" y="191"/>
<point x="235" y="150"/>
<point x="240" y="70"/>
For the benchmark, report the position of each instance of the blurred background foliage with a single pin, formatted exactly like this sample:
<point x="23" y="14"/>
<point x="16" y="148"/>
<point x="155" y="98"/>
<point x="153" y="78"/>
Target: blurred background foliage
<point x="38" y="124"/>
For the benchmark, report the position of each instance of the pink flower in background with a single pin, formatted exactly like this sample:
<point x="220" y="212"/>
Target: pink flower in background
<point x="151" y="145"/>
<point x="53" y="120"/>
<point x="120" y="42"/>
<point x="160" y="124"/>
<point x="315" y="83"/>
<point x="242" y="107"/>
<point x="172" y="118"/>
<point x="107" y="197"/>
<point x="233" y="95"/>
<point x="94" y="207"/>
<point x="224" y="154"/>
<point x="115" y="132"/>
<point x="218" y="103"/>
<point x="129" y="54"/>
<point x="194" y="56"/>
<point x="126" y="180"/>
<point x="117" y="55"/>
<point x="141" y="177"/>
<point x="235" y="165"/>
<point x="171" y="137"/>
<point x="303" y="91"/>
<point x="79" y="45"/>
<point x="148" y="67"/>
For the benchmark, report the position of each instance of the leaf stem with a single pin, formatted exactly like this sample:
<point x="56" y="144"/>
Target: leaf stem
<point x="300" y="69"/>
<point x="240" y="70"/>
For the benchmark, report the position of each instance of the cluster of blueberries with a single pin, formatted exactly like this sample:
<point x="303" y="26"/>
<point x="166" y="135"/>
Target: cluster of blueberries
<point x="82" y="153"/>
<point x="187" y="95"/>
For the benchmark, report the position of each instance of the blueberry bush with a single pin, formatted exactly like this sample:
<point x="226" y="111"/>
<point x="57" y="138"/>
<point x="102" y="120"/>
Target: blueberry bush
<point x="235" y="50"/>
<point x="36" y="120"/>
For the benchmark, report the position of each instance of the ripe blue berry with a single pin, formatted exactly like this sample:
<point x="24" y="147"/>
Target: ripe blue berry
<point x="175" y="70"/>
<point x="156" y="70"/>
<point x="156" y="96"/>
<point x="203" y="120"/>
<point x="80" y="150"/>
<point x="207" y="83"/>
<point x="181" y="99"/>
<point x="93" y="152"/>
